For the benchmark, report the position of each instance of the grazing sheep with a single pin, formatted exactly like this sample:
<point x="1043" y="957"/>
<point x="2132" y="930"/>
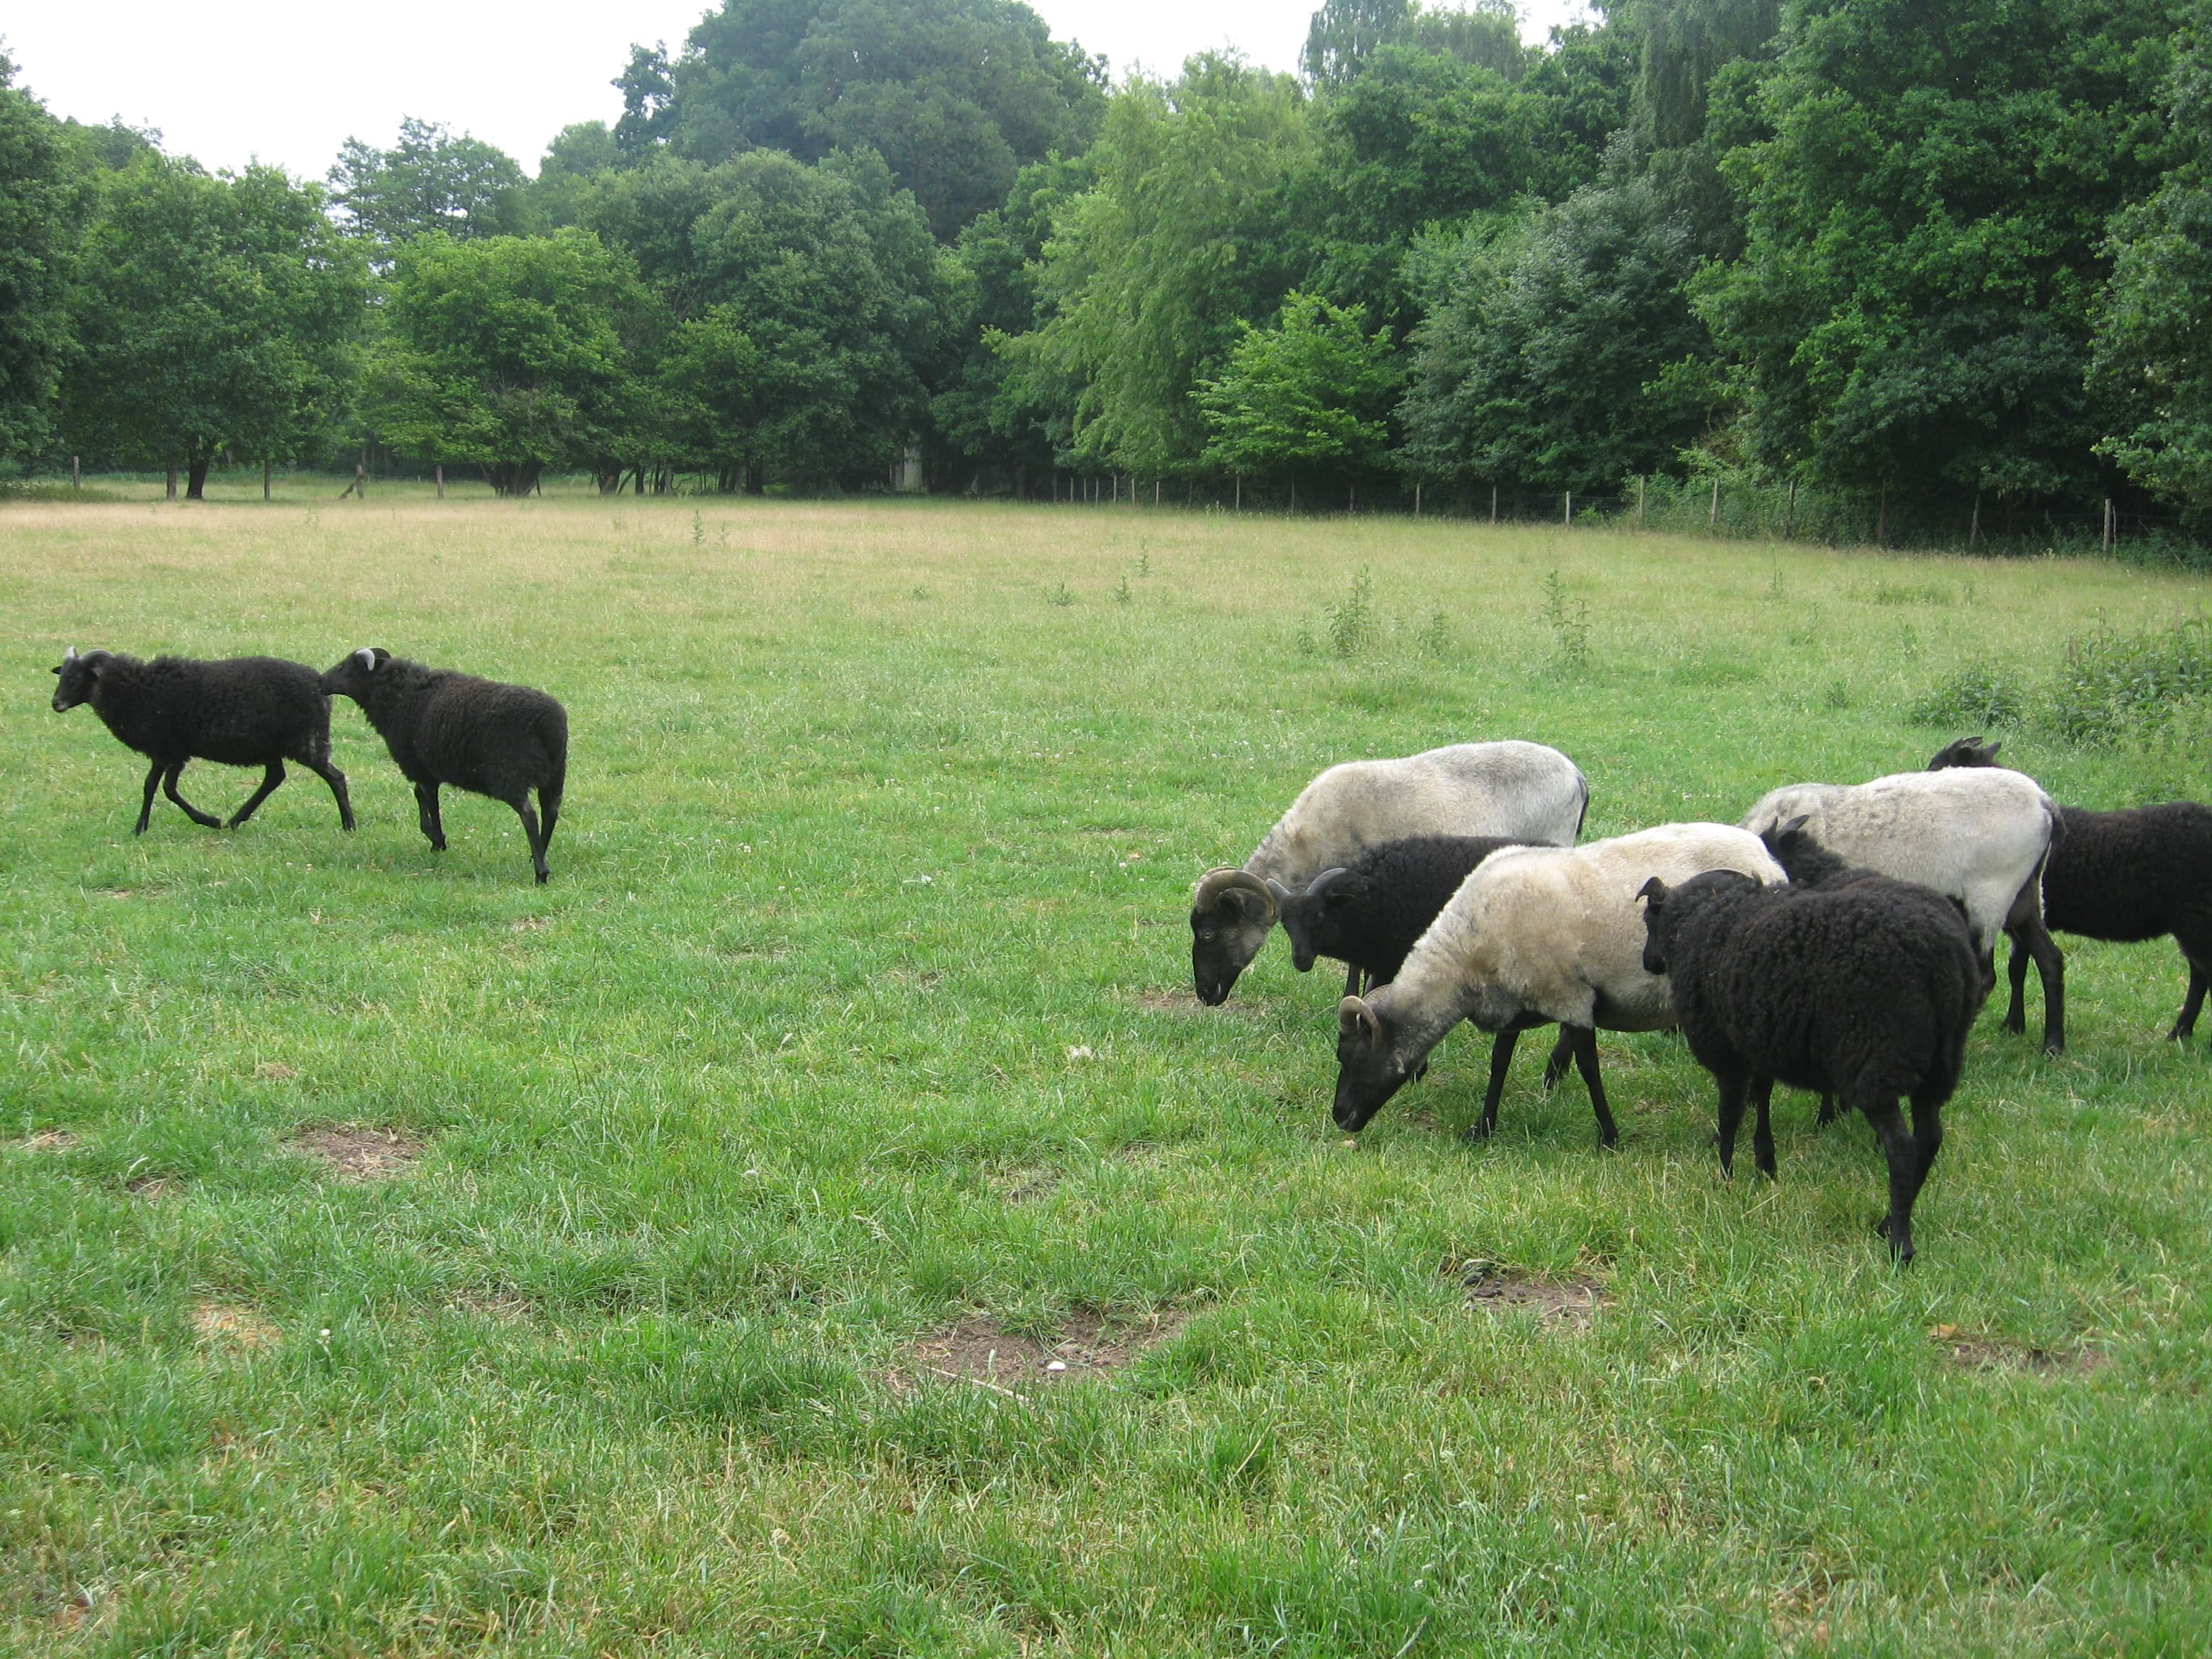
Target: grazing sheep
<point x="1866" y="988"/>
<point x="247" y="711"/>
<point x="2139" y="873"/>
<point x="1520" y="790"/>
<point x="1369" y="914"/>
<point x="1979" y="836"/>
<point x="445" y="727"/>
<point x="1536" y="934"/>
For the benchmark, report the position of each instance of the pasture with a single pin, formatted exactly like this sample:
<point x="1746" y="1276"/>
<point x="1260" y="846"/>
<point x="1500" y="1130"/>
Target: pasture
<point x="398" y="1258"/>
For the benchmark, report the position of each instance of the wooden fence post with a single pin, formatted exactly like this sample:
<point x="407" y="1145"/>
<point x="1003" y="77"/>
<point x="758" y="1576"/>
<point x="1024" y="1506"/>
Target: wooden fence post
<point x="1974" y="525"/>
<point x="442" y="481"/>
<point x="76" y="478"/>
<point x="1493" y="503"/>
<point x="1639" y="501"/>
<point x="1417" y="498"/>
<point x="1568" y="516"/>
<point x="173" y="481"/>
<point x="1240" y="492"/>
<point x="2108" y="526"/>
<point x="265" y="478"/>
<point x="1881" y="517"/>
<point x="1789" y="512"/>
<point x="1713" y="518"/>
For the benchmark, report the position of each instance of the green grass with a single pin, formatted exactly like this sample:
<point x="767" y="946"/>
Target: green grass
<point x="875" y="812"/>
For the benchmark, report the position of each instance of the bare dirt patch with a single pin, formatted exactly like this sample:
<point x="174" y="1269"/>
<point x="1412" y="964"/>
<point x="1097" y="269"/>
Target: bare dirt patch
<point x="153" y="1188"/>
<point x="1989" y="1353"/>
<point x="356" y="1154"/>
<point x="46" y="1140"/>
<point x="1571" y="1303"/>
<point x="225" y="1325"/>
<point x="1170" y="1002"/>
<point x="1024" y="1184"/>
<point x="274" y="1071"/>
<point x="979" y="1352"/>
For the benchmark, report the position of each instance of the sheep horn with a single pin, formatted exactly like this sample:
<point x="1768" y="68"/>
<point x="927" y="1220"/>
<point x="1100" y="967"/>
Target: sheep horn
<point x="1230" y="878"/>
<point x="366" y="658"/>
<point x="1283" y="895"/>
<point x="70" y="655"/>
<point x="1653" y="893"/>
<point x="1327" y="879"/>
<point x="1355" y="1018"/>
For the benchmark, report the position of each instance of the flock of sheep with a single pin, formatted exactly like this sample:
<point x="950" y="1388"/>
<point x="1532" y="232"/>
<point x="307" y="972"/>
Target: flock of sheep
<point x="1841" y="939"/>
<point x="441" y="727"/>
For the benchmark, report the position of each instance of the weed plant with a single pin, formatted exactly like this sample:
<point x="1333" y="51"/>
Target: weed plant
<point x="855" y="1034"/>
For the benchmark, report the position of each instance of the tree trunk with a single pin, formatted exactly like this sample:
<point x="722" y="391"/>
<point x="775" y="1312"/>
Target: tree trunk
<point x="755" y="480"/>
<point x="173" y="482"/>
<point x="196" y="472"/>
<point x="512" y="477"/>
<point x="264" y="479"/>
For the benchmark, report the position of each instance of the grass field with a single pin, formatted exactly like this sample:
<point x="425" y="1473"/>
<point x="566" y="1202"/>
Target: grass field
<point x="396" y="1257"/>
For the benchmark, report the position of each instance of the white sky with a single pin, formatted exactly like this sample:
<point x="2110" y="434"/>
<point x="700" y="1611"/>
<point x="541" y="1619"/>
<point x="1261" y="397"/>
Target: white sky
<point x="229" y="80"/>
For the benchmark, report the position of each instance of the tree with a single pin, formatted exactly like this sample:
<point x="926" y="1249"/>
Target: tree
<point x="955" y="94"/>
<point x="1564" y="352"/>
<point x="1149" y="272"/>
<point x="40" y="200"/>
<point x="1311" y="394"/>
<point x="513" y="353"/>
<point x="2154" y="340"/>
<point x="1925" y="221"/>
<point x="212" y="313"/>
<point x="579" y="154"/>
<point x="430" y="180"/>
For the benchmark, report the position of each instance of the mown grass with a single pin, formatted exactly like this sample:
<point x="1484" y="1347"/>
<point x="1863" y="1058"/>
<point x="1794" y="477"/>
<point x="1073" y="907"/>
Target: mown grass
<point x="879" y="816"/>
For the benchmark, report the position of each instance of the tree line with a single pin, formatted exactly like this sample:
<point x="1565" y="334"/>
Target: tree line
<point x="1925" y="251"/>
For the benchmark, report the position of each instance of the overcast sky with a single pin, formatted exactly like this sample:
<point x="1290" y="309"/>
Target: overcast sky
<point x="228" y="80"/>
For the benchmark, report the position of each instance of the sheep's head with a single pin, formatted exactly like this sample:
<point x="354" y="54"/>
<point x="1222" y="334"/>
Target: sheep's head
<point x="1305" y="917"/>
<point x="1666" y="909"/>
<point x="356" y="673"/>
<point x="1370" y="1061"/>
<point x="1803" y="859"/>
<point x="1230" y="915"/>
<point x="1965" y="751"/>
<point x="78" y="675"/>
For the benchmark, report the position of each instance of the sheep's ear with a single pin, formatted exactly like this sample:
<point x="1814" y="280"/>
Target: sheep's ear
<point x="98" y="662"/>
<point x="1796" y="826"/>
<point x="1653" y="893"/>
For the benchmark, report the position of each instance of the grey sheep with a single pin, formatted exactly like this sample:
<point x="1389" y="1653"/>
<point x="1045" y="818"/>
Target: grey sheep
<point x="2142" y="872"/>
<point x="1522" y="790"/>
<point x="247" y="711"/>
<point x="1866" y="988"/>
<point x="443" y="726"/>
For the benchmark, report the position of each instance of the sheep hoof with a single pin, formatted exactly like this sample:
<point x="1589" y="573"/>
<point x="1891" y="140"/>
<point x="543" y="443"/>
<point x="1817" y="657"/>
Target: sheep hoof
<point x="1477" y="1134"/>
<point x="544" y="876"/>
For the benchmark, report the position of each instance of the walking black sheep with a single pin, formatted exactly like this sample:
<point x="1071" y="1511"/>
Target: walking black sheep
<point x="1368" y="914"/>
<point x="1867" y="988"/>
<point x="248" y="711"/>
<point x="2139" y="873"/>
<point x="444" y="727"/>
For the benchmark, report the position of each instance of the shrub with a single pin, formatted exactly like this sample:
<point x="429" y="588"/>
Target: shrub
<point x="1976" y="696"/>
<point x="2112" y="684"/>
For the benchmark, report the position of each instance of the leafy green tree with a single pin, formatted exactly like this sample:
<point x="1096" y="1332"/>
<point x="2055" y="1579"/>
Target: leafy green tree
<point x="1345" y="36"/>
<point x="991" y="411"/>
<point x="955" y="94"/>
<point x="1344" y="33"/>
<point x="1563" y="353"/>
<point x="1926" y="217"/>
<point x="1311" y="394"/>
<point x="514" y="353"/>
<point x="1684" y="44"/>
<point x="579" y="154"/>
<point x="212" y="313"/>
<point x="431" y="181"/>
<point x="2154" y="341"/>
<point x="1149" y="272"/>
<point x="41" y="202"/>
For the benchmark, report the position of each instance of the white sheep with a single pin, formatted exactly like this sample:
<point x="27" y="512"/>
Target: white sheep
<point x="1517" y="791"/>
<point x="1979" y="836"/>
<point x="1534" y="934"/>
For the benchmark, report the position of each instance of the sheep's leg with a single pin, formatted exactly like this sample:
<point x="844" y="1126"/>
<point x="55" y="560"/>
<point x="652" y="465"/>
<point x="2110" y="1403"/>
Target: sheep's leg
<point x="146" y="807"/>
<point x="537" y="838"/>
<point x="2193" y="1002"/>
<point x="548" y="811"/>
<point x="1907" y="1169"/>
<point x="1563" y="1056"/>
<point x="205" y="820"/>
<point x="2015" y="1019"/>
<point x="1828" y="1110"/>
<point x="270" y="779"/>
<point x="330" y="775"/>
<point x="1352" y="979"/>
<point x="1501" y="1062"/>
<point x="1732" y="1086"/>
<point x="2050" y="969"/>
<point x="426" y="813"/>
<point x="1586" y="1059"/>
<point x="1762" y="1131"/>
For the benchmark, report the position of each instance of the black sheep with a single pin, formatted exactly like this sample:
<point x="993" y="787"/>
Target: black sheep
<point x="248" y="711"/>
<point x="1866" y="990"/>
<point x="2142" y="872"/>
<point x="446" y="727"/>
<point x="1368" y="914"/>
